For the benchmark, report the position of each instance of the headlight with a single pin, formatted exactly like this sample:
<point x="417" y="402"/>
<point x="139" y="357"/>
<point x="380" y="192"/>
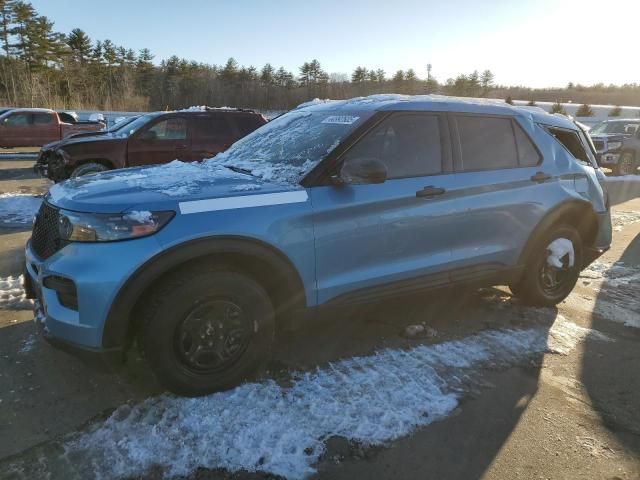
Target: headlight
<point x="614" y="145"/>
<point x="98" y="227"/>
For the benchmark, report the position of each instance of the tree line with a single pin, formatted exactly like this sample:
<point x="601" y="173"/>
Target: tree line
<point x="45" y="68"/>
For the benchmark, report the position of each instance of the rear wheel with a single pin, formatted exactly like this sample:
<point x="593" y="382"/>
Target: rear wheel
<point x="626" y="165"/>
<point x="206" y="330"/>
<point x="552" y="268"/>
<point x="88" y="168"/>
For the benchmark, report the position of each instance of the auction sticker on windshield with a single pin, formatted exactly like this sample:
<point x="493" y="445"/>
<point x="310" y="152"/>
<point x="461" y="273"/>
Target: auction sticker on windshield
<point x="341" y="119"/>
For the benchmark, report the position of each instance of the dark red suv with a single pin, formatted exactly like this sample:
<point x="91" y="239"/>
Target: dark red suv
<point x="153" y="138"/>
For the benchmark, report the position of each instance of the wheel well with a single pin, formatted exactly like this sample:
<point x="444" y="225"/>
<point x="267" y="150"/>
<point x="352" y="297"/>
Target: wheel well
<point x="274" y="273"/>
<point x="579" y="215"/>
<point x="101" y="161"/>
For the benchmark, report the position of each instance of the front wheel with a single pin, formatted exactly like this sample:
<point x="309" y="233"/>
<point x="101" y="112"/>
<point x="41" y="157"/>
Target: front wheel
<point x="552" y="268"/>
<point x="206" y="330"/>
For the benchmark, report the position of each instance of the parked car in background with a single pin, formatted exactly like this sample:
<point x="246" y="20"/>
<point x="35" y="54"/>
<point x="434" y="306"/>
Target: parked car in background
<point x="333" y="203"/>
<point x="74" y="119"/>
<point x="159" y="137"/>
<point x="617" y="143"/>
<point x="34" y="127"/>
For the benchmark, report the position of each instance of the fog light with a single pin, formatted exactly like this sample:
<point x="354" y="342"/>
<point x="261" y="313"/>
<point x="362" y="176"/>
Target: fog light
<point x="65" y="290"/>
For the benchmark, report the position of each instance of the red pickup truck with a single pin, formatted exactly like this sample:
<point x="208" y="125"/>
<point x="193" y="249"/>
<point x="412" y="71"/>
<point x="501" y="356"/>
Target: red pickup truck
<point x="34" y="127"/>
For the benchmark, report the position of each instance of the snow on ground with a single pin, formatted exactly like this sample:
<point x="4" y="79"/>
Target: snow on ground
<point x="18" y="208"/>
<point x="622" y="219"/>
<point x="12" y="294"/>
<point x="281" y="430"/>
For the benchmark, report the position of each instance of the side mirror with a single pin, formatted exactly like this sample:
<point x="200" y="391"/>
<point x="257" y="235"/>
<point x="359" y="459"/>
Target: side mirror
<point x="362" y="170"/>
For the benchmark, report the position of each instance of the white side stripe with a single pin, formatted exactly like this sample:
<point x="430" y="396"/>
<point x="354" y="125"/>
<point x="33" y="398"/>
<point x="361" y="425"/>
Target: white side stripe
<point x="244" y="201"/>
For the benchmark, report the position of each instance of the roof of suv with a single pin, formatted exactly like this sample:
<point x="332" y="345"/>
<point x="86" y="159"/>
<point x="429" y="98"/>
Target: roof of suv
<point x="389" y="102"/>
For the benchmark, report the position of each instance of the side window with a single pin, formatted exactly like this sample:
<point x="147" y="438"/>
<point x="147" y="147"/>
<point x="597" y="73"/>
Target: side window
<point x="18" y="120"/>
<point x="408" y="144"/>
<point x="571" y="142"/>
<point x="486" y="143"/>
<point x="212" y="127"/>
<point x="42" y="118"/>
<point x="528" y="155"/>
<point x="169" y="129"/>
<point x="247" y="123"/>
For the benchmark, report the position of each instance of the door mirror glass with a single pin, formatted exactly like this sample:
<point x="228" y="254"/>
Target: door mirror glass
<point x="362" y="170"/>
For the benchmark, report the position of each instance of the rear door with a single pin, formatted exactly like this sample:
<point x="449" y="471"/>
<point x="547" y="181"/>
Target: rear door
<point x="46" y="127"/>
<point x="499" y="195"/>
<point x="161" y="141"/>
<point x="15" y="130"/>
<point x="212" y="134"/>
<point x="391" y="237"/>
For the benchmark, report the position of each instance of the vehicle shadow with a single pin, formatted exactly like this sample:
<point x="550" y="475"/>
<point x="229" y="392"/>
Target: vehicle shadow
<point x="610" y="369"/>
<point x="70" y="394"/>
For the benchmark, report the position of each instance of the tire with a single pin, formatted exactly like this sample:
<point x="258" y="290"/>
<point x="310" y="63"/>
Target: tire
<point x="626" y="165"/>
<point x="535" y="286"/>
<point x="88" y="168"/>
<point x="206" y="330"/>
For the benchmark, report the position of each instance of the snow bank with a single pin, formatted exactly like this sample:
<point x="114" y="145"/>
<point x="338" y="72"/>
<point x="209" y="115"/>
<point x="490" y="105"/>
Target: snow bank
<point x="622" y="219"/>
<point x="18" y="208"/>
<point x="12" y="294"/>
<point x="281" y="430"/>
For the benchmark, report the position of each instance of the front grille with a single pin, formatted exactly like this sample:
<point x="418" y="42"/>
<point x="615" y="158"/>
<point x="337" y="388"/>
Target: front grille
<point x="599" y="144"/>
<point x="45" y="239"/>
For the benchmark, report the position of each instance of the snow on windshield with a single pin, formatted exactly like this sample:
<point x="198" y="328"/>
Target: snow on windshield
<point x="290" y="146"/>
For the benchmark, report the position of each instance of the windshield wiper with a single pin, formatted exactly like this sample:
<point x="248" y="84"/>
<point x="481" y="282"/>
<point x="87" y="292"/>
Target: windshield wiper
<point x="239" y="170"/>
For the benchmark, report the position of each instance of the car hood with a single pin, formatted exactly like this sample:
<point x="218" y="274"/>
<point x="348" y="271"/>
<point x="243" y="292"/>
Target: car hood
<point x="610" y="136"/>
<point x="84" y="138"/>
<point x="157" y="188"/>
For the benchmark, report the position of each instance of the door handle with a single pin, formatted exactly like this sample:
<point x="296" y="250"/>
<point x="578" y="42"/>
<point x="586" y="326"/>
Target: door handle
<point x="430" y="191"/>
<point x="540" y="177"/>
<point x="181" y="147"/>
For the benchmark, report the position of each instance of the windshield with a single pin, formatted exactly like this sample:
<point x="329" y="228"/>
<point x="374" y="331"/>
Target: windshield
<point x="288" y="147"/>
<point x="122" y="123"/>
<point x="614" y="127"/>
<point x="136" y="124"/>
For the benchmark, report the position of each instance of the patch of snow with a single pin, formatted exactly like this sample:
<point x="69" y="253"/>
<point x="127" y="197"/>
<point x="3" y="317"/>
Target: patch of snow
<point x="615" y="275"/>
<point x="28" y="344"/>
<point x="18" y="208"/>
<point x="622" y="219"/>
<point x="12" y="294"/>
<point x="281" y="430"/>
<point x="248" y="187"/>
<point x="558" y="249"/>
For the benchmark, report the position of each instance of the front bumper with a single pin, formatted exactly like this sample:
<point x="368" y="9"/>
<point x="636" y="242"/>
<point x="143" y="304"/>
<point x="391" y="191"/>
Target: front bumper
<point x="98" y="271"/>
<point x="603" y="239"/>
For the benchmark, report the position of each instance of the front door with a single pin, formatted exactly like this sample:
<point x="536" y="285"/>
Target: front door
<point x="373" y="239"/>
<point x="15" y="130"/>
<point x="162" y="141"/>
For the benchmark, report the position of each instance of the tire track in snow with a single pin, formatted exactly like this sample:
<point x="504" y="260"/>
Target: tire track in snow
<point x="269" y="428"/>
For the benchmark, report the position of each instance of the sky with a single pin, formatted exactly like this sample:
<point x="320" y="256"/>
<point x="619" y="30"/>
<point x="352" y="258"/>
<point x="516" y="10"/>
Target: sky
<point x="541" y="43"/>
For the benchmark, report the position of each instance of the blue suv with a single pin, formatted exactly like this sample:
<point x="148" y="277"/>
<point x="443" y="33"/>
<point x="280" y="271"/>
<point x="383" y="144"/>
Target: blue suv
<point x="333" y="203"/>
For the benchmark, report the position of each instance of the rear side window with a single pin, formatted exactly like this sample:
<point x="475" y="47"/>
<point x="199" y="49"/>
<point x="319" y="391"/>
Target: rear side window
<point x="169" y="129"/>
<point x="528" y="155"/>
<point x="486" y="143"/>
<point x="570" y="140"/>
<point x="408" y="144"/>
<point x="42" y="118"/>
<point x="212" y="127"/>
<point x="18" y="119"/>
<point x="248" y="123"/>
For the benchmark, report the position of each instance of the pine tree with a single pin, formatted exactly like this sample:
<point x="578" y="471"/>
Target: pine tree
<point x="80" y="45"/>
<point x="584" y="111"/>
<point x="558" y="108"/>
<point x="7" y="18"/>
<point x="359" y="75"/>
<point x="616" y="111"/>
<point x="486" y="81"/>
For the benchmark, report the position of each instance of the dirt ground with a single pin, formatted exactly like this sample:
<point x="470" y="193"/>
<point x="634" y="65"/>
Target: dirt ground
<point x="574" y="415"/>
